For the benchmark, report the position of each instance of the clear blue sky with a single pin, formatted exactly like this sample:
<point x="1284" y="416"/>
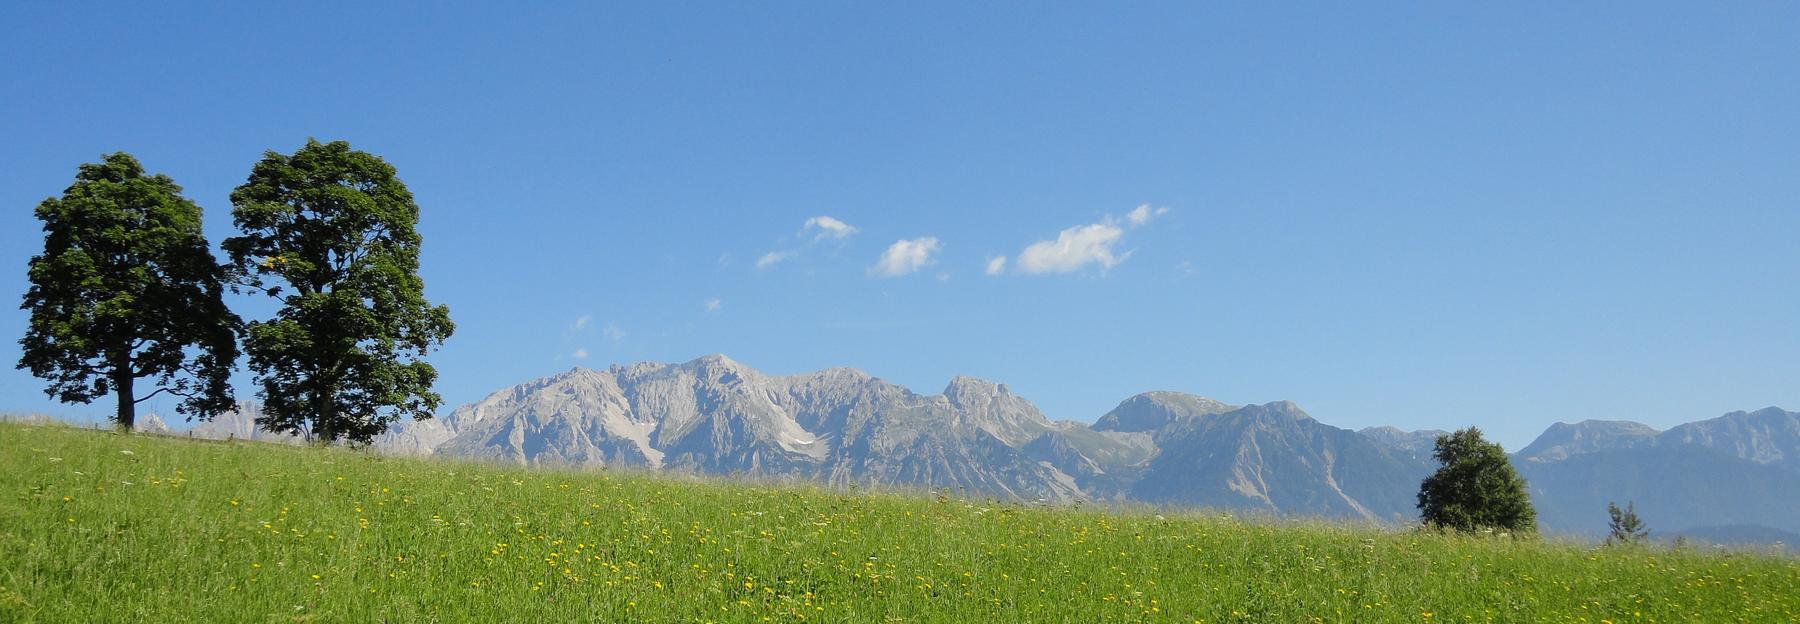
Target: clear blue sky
<point x="1423" y="215"/>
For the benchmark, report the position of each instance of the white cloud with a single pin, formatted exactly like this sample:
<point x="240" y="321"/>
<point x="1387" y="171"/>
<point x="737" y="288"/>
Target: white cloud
<point x="905" y="256"/>
<point x="772" y="258"/>
<point x="996" y="265"/>
<point x="819" y="228"/>
<point x="1143" y="214"/>
<point x="1074" y="248"/>
<point x="580" y="352"/>
<point x="613" y="332"/>
<point x="712" y="304"/>
<point x="581" y="323"/>
<point x="827" y="228"/>
<point x="1080" y="246"/>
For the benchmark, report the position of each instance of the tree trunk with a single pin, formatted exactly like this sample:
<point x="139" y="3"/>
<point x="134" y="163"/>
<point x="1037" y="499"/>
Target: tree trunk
<point x="126" y="417"/>
<point x="322" y="418"/>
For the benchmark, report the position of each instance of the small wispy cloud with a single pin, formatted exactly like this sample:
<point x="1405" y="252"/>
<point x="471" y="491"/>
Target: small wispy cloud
<point x="906" y="256"/>
<point x="1143" y="214"/>
<point x="996" y="265"/>
<point x="812" y="231"/>
<point x="772" y="258"/>
<point x="712" y="304"/>
<point x="823" y="227"/>
<point x="580" y="353"/>
<point x="613" y="333"/>
<point x="581" y="322"/>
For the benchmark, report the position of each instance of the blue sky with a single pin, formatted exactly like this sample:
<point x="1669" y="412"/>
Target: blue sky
<point x="1422" y="215"/>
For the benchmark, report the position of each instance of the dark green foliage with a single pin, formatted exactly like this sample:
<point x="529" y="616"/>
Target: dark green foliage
<point x="128" y="288"/>
<point x="333" y="229"/>
<point x="1476" y="487"/>
<point x="1624" y="526"/>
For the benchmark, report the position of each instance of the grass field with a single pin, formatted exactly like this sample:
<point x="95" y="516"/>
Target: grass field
<point x="98" y="527"/>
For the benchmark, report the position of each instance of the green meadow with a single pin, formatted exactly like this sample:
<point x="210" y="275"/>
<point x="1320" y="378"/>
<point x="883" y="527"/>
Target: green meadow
<point x="101" y="527"/>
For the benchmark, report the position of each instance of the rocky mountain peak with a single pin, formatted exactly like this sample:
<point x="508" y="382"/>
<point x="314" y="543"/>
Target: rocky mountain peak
<point x="573" y="374"/>
<point x="151" y="423"/>
<point x="1416" y="443"/>
<point x="1286" y="408"/>
<point x="843" y="373"/>
<point x="718" y="368"/>
<point x="1773" y="415"/>
<point x="1563" y="439"/>
<point x="1154" y="410"/>
<point x="993" y="408"/>
<point x="1766" y="436"/>
<point x="965" y="390"/>
<point x="714" y="361"/>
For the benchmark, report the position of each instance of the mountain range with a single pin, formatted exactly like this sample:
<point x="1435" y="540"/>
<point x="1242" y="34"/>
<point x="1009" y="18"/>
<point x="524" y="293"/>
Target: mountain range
<point x="1737" y="475"/>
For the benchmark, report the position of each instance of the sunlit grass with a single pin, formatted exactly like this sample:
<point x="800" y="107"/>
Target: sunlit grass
<point x="98" y="527"/>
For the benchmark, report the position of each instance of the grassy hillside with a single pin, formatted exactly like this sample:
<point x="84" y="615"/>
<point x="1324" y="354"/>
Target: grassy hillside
<point x="97" y="527"/>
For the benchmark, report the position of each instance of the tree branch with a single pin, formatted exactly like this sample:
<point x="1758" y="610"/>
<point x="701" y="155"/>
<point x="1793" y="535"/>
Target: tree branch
<point x="147" y="396"/>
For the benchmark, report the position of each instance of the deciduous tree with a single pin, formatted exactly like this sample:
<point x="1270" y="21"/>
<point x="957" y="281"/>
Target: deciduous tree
<point x="1476" y="487"/>
<point x="127" y="288"/>
<point x="329" y="231"/>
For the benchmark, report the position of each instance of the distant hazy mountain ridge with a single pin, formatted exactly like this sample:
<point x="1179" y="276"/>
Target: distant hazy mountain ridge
<point x="1739" y="471"/>
<point x="1738" y="474"/>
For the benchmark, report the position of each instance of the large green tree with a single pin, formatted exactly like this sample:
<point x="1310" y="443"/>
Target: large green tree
<point x="127" y="288"/>
<point x="1476" y="487"/>
<point x="329" y="231"/>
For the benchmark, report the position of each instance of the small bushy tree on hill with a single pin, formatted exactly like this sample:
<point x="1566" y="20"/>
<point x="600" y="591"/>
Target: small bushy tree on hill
<point x="126" y="289"/>
<point x="1475" y="488"/>
<point x="1624" y="526"/>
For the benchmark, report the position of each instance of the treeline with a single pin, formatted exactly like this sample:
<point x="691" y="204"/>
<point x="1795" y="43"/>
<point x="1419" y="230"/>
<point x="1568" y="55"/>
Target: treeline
<point x="128" y="292"/>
